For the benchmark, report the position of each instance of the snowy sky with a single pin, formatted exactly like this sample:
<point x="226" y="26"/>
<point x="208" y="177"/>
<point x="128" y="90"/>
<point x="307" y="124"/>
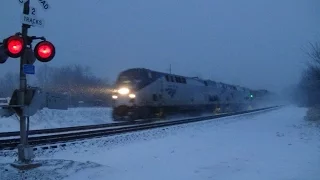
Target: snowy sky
<point x="255" y="43"/>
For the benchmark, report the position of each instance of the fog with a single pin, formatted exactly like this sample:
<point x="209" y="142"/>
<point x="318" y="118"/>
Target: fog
<point x="253" y="43"/>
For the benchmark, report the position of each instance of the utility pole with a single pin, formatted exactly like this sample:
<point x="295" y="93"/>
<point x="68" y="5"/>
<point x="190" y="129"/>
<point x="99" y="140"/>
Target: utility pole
<point x="170" y="68"/>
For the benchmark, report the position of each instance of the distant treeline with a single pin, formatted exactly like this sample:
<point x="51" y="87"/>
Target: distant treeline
<point x="307" y="91"/>
<point x="77" y="81"/>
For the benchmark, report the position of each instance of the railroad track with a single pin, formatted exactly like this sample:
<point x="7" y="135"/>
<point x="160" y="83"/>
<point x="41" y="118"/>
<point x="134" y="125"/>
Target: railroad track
<point x="83" y="132"/>
<point x="69" y="129"/>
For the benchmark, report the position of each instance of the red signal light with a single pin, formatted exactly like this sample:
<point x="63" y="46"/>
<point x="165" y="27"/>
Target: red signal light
<point x="14" y="46"/>
<point x="44" y="51"/>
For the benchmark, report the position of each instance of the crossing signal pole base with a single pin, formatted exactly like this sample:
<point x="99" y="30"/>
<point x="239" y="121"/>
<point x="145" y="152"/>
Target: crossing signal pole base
<point x="25" y="166"/>
<point x="25" y="153"/>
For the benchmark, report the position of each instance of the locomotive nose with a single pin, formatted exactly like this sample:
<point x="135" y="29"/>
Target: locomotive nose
<point x="123" y="91"/>
<point x="123" y="96"/>
<point x="124" y="99"/>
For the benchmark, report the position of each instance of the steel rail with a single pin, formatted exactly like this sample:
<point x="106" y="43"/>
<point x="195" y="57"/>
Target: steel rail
<point x="74" y="128"/>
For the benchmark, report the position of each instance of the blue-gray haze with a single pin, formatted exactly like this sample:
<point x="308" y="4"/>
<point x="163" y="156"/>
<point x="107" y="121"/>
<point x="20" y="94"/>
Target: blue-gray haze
<point x="253" y="43"/>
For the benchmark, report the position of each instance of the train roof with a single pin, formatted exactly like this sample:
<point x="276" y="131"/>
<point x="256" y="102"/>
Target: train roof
<point x="187" y="77"/>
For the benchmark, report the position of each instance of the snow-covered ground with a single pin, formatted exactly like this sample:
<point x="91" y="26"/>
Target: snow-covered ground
<point x="275" y="145"/>
<point x="49" y="118"/>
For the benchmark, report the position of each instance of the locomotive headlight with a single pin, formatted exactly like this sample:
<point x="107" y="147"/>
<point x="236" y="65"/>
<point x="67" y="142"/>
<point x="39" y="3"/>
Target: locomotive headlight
<point x="132" y="96"/>
<point x="123" y="91"/>
<point x="114" y="97"/>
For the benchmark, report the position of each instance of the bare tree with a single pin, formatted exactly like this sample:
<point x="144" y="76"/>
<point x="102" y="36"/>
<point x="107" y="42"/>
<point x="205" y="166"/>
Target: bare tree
<point x="75" y="80"/>
<point x="308" y="91"/>
<point x="9" y="82"/>
<point x="43" y="76"/>
<point x="314" y="53"/>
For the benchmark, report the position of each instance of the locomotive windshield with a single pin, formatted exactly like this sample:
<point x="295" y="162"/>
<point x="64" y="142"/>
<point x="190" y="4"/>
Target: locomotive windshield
<point x="124" y="80"/>
<point x="131" y="78"/>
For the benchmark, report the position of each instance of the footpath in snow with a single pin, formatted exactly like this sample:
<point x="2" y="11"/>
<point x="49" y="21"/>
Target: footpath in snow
<point x="277" y="145"/>
<point x="49" y="118"/>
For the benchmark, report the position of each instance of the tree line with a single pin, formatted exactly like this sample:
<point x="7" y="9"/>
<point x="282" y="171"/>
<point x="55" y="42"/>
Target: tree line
<point x="307" y="91"/>
<point x="75" y="81"/>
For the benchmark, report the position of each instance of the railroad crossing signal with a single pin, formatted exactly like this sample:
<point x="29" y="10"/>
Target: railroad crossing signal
<point x="44" y="51"/>
<point x="15" y="46"/>
<point x="20" y="45"/>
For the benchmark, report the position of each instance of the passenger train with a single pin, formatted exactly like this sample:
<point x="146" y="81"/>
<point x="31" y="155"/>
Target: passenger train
<point x="141" y="93"/>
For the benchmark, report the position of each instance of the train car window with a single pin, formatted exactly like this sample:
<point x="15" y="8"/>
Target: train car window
<point x="3" y="101"/>
<point x="154" y="96"/>
<point x="167" y="78"/>
<point x="178" y="79"/>
<point x="214" y="84"/>
<point x="171" y="77"/>
<point x="150" y="75"/>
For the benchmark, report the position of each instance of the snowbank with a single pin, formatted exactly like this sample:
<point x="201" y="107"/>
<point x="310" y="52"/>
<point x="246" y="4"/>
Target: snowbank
<point x="48" y="118"/>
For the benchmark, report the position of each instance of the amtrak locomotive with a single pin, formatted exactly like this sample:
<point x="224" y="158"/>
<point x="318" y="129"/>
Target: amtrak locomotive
<point x="141" y="93"/>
